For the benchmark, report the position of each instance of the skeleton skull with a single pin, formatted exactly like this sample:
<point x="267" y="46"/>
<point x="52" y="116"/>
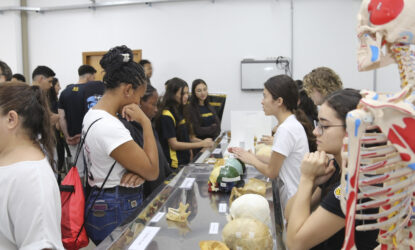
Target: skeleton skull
<point x="382" y="23"/>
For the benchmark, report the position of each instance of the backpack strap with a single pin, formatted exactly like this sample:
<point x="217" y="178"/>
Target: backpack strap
<point x="68" y="151"/>
<point x="103" y="184"/>
<point x="81" y="144"/>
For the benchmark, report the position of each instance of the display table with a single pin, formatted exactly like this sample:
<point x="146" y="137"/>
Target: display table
<point x="149" y="228"/>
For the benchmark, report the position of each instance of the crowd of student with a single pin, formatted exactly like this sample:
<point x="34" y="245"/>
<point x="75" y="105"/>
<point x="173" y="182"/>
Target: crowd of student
<point x="130" y="140"/>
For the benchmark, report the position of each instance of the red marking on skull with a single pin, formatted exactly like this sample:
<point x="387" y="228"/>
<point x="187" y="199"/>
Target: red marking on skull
<point x="407" y="132"/>
<point x="384" y="11"/>
<point x="410" y="235"/>
<point x="394" y="138"/>
<point x="405" y="157"/>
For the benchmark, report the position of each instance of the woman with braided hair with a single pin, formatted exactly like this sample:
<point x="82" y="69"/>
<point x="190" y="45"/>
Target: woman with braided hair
<point x="117" y="165"/>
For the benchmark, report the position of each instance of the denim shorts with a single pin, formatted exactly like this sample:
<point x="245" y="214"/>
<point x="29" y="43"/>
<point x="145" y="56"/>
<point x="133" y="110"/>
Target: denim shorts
<point x="111" y="208"/>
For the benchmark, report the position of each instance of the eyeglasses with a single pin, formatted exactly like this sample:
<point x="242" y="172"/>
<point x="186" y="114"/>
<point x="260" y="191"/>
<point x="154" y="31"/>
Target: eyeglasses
<point x="321" y="128"/>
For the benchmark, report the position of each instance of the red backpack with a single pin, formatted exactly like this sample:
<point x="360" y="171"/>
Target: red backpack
<point x="73" y="209"/>
<point x="74" y="234"/>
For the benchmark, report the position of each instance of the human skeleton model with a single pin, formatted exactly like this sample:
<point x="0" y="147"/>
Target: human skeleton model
<point x="383" y="175"/>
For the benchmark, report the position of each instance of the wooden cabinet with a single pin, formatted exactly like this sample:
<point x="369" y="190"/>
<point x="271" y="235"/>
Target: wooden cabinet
<point x="93" y="57"/>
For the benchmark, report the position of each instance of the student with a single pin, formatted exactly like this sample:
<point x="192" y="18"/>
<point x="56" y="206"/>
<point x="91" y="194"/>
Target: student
<point x="148" y="68"/>
<point x="290" y="140"/>
<point x="321" y="82"/>
<point x="319" y="181"/>
<point x="60" y="140"/>
<point x="173" y="128"/>
<point x="18" y="78"/>
<point x="109" y="145"/>
<point x="149" y="106"/>
<point x="71" y="106"/>
<point x="5" y="72"/>
<point x="72" y="109"/>
<point x="42" y="76"/>
<point x="203" y="118"/>
<point x="306" y="104"/>
<point x="30" y="205"/>
<point x="53" y="93"/>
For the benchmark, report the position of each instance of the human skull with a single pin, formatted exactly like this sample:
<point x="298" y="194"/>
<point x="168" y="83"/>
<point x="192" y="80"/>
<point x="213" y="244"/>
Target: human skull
<point x="251" y="206"/>
<point x="247" y="234"/>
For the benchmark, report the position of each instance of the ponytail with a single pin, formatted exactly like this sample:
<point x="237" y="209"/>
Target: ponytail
<point x="284" y="86"/>
<point x="308" y="127"/>
<point x="44" y="131"/>
<point x="31" y="105"/>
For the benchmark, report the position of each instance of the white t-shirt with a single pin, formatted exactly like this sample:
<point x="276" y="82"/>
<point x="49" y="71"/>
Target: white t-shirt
<point x="291" y="141"/>
<point x="104" y="136"/>
<point x="30" y="207"/>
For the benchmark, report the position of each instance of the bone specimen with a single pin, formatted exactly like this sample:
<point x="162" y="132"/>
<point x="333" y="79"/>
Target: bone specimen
<point x="180" y="214"/>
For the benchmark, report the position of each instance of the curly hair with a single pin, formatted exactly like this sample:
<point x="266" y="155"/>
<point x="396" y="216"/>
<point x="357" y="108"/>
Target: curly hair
<point x="322" y="79"/>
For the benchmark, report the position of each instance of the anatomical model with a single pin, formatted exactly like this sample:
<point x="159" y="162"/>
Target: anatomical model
<point x="381" y="131"/>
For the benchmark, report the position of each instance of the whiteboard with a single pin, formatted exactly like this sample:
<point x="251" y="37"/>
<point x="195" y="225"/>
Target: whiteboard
<point x="255" y="73"/>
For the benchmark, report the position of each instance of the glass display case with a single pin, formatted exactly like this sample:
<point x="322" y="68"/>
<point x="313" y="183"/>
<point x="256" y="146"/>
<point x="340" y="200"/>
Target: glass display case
<point x="149" y="228"/>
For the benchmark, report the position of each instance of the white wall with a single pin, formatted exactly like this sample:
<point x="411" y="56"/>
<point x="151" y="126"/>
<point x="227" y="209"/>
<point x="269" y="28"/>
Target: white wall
<point x="10" y="49"/>
<point x="187" y="39"/>
<point x="325" y="35"/>
<point x="201" y="39"/>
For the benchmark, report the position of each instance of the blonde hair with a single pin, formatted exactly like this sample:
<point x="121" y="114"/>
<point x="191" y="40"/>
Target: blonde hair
<point x="322" y="79"/>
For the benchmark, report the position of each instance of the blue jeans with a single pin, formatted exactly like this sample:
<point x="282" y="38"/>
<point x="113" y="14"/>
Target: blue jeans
<point x="111" y="209"/>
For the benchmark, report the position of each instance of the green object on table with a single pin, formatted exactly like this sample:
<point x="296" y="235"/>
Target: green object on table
<point x="237" y="164"/>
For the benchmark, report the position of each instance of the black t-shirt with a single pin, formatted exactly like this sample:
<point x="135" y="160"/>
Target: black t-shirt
<point x="76" y="100"/>
<point x="207" y="118"/>
<point x="204" y="121"/>
<point x="173" y="125"/>
<point x="363" y="239"/>
<point x="93" y="91"/>
<point x="71" y="101"/>
<point x="136" y="132"/>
